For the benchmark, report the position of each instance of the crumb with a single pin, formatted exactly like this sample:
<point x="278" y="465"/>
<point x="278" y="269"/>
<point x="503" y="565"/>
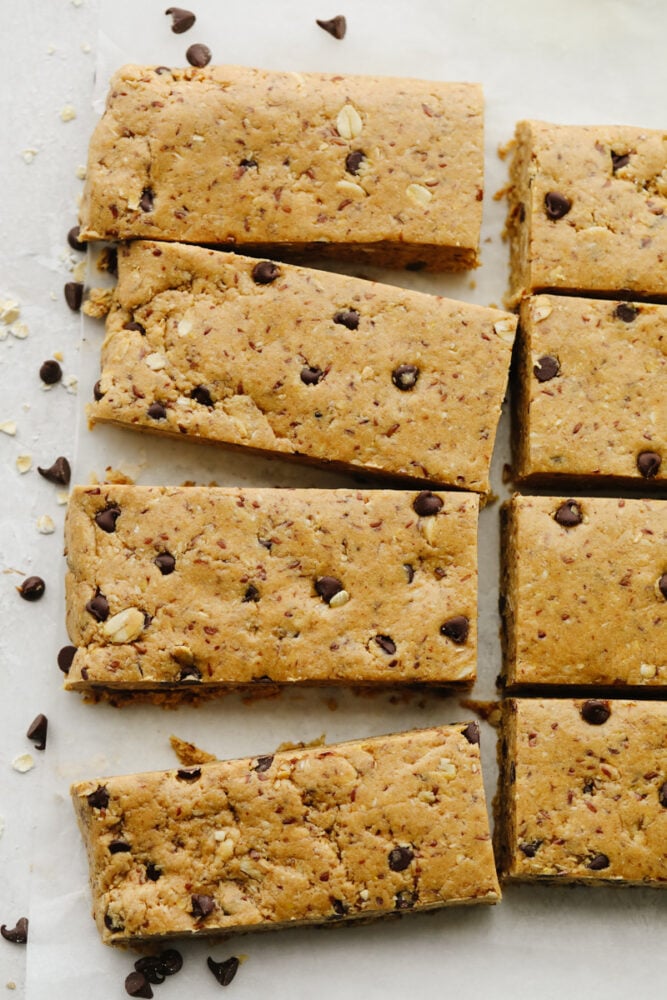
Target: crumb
<point x="81" y="172"/>
<point x="50" y="49"/>
<point x="331" y="703"/>
<point x="68" y="113"/>
<point x="79" y="270"/>
<point x="503" y="150"/>
<point x="117" y="476"/>
<point x="23" y="763"/>
<point x="98" y="303"/>
<point x="9" y="311"/>
<point x="508" y="474"/>
<point x="189" y="754"/>
<point x="472" y="285"/>
<point x="29" y="155"/>
<point x="8" y="427"/>
<point x="11" y="985"/>
<point x="62" y="497"/>
<point x="489" y="711"/>
<point x="318" y="741"/>
<point x="19" y="330"/>
<point x="501" y="193"/>
<point x="86" y="47"/>
<point x="58" y="355"/>
<point x="45" y="525"/>
<point x="71" y="383"/>
<point x="24" y="463"/>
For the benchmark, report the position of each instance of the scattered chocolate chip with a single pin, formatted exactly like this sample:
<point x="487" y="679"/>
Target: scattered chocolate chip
<point x="99" y="799"/>
<point x="399" y="858"/>
<point x="530" y="848"/>
<point x="59" y="473"/>
<point x="456" y="629"/>
<point x="32" y="588"/>
<point x="626" y="312"/>
<point x="595" y="712"/>
<point x="336" y="26"/>
<point x="662" y="585"/>
<point x="265" y="272"/>
<point x="119" y="847"/>
<point x="74" y="295"/>
<point x="181" y="20"/>
<point x="18" y="934"/>
<point x="73" y="238"/>
<point x="133" y="325"/>
<point x="189" y="773"/>
<point x="153" y="872"/>
<point x="171" y="961"/>
<point x="66" y="658"/>
<point x="263" y="764"/>
<point x="619" y="160"/>
<point x="190" y="672"/>
<point x="198" y="55"/>
<point x="225" y="971"/>
<point x="106" y="519"/>
<point x="556" y="205"/>
<point x="98" y="607"/>
<point x="662" y="795"/>
<point x="386" y="644"/>
<point x="136" y="985"/>
<point x="157" y="411"/>
<point x="598" y="862"/>
<point x="648" y="463"/>
<point x="165" y="562"/>
<point x="426" y="503"/>
<point x="50" y="372"/>
<point x="327" y="587"/>
<point x="354" y="160"/>
<point x="409" y="572"/>
<point x="201" y="395"/>
<point x="471" y="732"/>
<point x="37" y="731"/>
<point x="311" y="376"/>
<point x="251" y="594"/>
<point x="202" y="906"/>
<point x="149" y="966"/>
<point x="405" y="377"/>
<point x="147" y="200"/>
<point x="97" y="391"/>
<point x="405" y="899"/>
<point x="569" y="514"/>
<point x="347" y="317"/>
<point x="547" y="367"/>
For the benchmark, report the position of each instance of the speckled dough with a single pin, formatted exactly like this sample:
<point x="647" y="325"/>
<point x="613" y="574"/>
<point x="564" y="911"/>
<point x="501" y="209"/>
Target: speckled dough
<point x="613" y="237"/>
<point x="582" y="794"/>
<point x="354" y="830"/>
<point x="591" y="390"/>
<point x="587" y="603"/>
<point x="375" y="168"/>
<point x="331" y="368"/>
<point x="212" y="587"/>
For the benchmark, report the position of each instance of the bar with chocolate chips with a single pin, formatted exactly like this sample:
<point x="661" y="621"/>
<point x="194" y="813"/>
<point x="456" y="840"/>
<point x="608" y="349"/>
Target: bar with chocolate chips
<point x="582" y="794"/>
<point x="196" y="589"/>
<point x="324" y="834"/>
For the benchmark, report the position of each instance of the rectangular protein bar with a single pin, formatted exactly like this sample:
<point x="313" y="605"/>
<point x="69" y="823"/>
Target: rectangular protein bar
<point x="281" y="359"/>
<point x="176" y="590"/>
<point x="382" y="169"/>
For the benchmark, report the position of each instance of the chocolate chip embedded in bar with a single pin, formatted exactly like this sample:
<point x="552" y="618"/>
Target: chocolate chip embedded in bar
<point x="324" y="834"/>
<point x="279" y="175"/>
<point x="584" y="590"/>
<point x="590" y="392"/>
<point x="586" y="208"/>
<point x="582" y="795"/>
<point x="318" y="365"/>
<point x="194" y="589"/>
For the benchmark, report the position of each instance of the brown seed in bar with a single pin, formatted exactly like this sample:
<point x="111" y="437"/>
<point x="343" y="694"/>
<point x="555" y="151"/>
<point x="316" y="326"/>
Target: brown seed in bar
<point x="598" y="862"/>
<point x="225" y="971"/>
<point x="354" y="160"/>
<point x="471" y="732"/>
<point x="99" y="799"/>
<point x="157" y="411"/>
<point x="165" y="562"/>
<point x="399" y="858"/>
<point x="106" y="519"/>
<point x="198" y="55"/>
<point x="569" y="514"/>
<point x="66" y="658"/>
<point x="136" y="985"/>
<point x="50" y="372"/>
<point x="327" y="587"/>
<point x="74" y="295"/>
<point x="98" y="607"/>
<point x="264" y="272"/>
<point x="648" y="463"/>
<point x="32" y="588"/>
<point x="456" y="629"/>
<point x="547" y="367"/>
<point x="405" y="377"/>
<point x="189" y="773"/>
<point x="73" y="239"/>
<point x="37" y="731"/>
<point x="59" y="473"/>
<point x="626" y="312"/>
<point x="202" y="905"/>
<point x="386" y="644"/>
<point x="595" y="712"/>
<point x="335" y="26"/>
<point x="263" y="764"/>
<point x="201" y="395"/>
<point x="181" y="20"/>
<point x="426" y="504"/>
<point x="311" y="376"/>
<point x="556" y="205"/>
<point x="147" y="200"/>
<point x="18" y="934"/>
<point x="347" y="317"/>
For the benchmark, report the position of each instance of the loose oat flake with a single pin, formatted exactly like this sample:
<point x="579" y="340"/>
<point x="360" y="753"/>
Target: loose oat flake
<point x="45" y="525"/>
<point x="23" y="763"/>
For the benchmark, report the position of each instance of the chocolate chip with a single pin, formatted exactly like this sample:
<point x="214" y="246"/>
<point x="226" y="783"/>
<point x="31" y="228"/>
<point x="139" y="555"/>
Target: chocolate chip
<point x="18" y="934"/>
<point x="598" y="862"/>
<point x="626" y="311"/>
<point x="530" y="848"/>
<point x="662" y="795"/>
<point x="106" y="519"/>
<point x="405" y="899"/>
<point x="181" y="20"/>
<point x="147" y="200"/>
<point x="662" y="585"/>
<point x="471" y="732"/>
<point x="157" y="411"/>
<point x="74" y="295"/>
<point x="190" y="672"/>
<point x="73" y="238"/>
<point x="136" y="985"/>
<point x="32" y="588"/>
<point x="556" y="205"/>
<point x="247" y="164"/>
<point x="111" y="261"/>
<point x="263" y="764"/>
<point x="409" y="572"/>
<point x="595" y="712"/>
<point x="99" y="799"/>
<point x="202" y="906"/>
<point x="149" y="966"/>
<point x="50" y="372"/>
<point x="354" y="160"/>
<point x="386" y="644"/>
<point x="162" y="69"/>
<point x="59" y="473"/>
<point x="327" y="587"/>
<point x="201" y="395"/>
<point x="133" y="325"/>
<point x="251" y="594"/>
<point x="547" y="367"/>
<point x="265" y="272"/>
<point x="66" y="658"/>
<point x="225" y="971"/>
<point x="119" y="847"/>
<point x="98" y="607"/>
<point x="171" y="961"/>
<point x="97" y="391"/>
<point x="347" y="317"/>
<point x="37" y="731"/>
<point x="153" y="873"/>
<point x="311" y="376"/>
<point x="456" y="629"/>
<point x="399" y="858"/>
<point x="619" y="160"/>
<point x="165" y="562"/>
<point x="339" y="907"/>
<point x="648" y="463"/>
<point x="569" y="514"/>
<point x="198" y="55"/>
<point x="405" y="377"/>
<point x="189" y="773"/>
<point x="336" y="26"/>
<point x="426" y="503"/>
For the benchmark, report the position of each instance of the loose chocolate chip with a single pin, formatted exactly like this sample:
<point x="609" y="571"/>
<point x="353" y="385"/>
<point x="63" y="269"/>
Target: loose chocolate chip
<point x="547" y="367"/>
<point x="409" y="572"/>
<point x="405" y="377"/>
<point x="251" y="594"/>
<point x="59" y="473"/>
<point x="99" y="799"/>
<point x="347" y="317"/>
<point x="265" y="272"/>
<point x="595" y="712"/>
<point x="399" y="858"/>
<point x="648" y="463"/>
<point x="156" y="411"/>
<point x="311" y="376"/>
<point x="530" y="848"/>
<point x="119" y="847"/>
<point x="181" y="20"/>
<point x="198" y="55"/>
<point x="569" y="514"/>
<point x="74" y="295"/>
<point x="147" y="200"/>
<point x="225" y="971"/>
<point x="471" y="732"/>
<point x="153" y="873"/>
<point x="97" y="391"/>
<point x="263" y="764"/>
<point x="50" y="372"/>
<point x="165" y="562"/>
<point x="626" y="312"/>
<point x="133" y="325"/>
<point x="598" y="862"/>
<point x="456" y="629"/>
<point x="66" y="658"/>
<point x="662" y="585"/>
<point x="136" y="985"/>
<point x="73" y="238"/>
<point x="426" y="503"/>
<point x="149" y="966"/>
<point x="336" y="26"/>
<point x="37" y="731"/>
<point x="18" y="934"/>
<point x="354" y="160"/>
<point x="202" y="906"/>
<point x="106" y="519"/>
<point x="619" y="160"/>
<point x="171" y="961"/>
<point x="32" y="588"/>
<point x="405" y="899"/>
<point x="327" y="587"/>
<point x="98" y="607"/>
<point x="386" y="644"/>
<point x="189" y="773"/>
<point x="662" y="795"/>
<point x="556" y="205"/>
<point x="201" y="395"/>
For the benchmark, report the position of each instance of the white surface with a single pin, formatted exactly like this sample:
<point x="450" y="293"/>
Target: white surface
<point x="581" y="62"/>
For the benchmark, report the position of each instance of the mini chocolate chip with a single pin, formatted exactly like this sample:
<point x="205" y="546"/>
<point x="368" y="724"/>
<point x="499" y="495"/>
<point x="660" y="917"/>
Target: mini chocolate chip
<point x="98" y="607"/>
<point x="598" y="862"/>
<point x="399" y="858"/>
<point x="66" y="658"/>
<point x="386" y="644"/>
<point x="99" y="799"/>
<point x="409" y="572"/>
<point x="354" y="160"/>
<point x="547" y="367"/>
<point x="405" y="377"/>
<point x="225" y="971"/>
<point x="153" y="872"/>
<point x="133" y="325"/>
<point x="106" y="519"/>
<point x="626" y="312"/>
<point x="37" y="731"/>
<point x="266" y="543"/>
<point x="147" y="200"/>
<point x="265" y="272"/>
<point x="251" y="594"/>
<point x="171" y="961"/>
<point x="74" y="295"/>
<point x="157" y="411"/>
<point x="619" y="160"/>
<point x="456" y="629"/>
<point x="189" y="773"/>
<point x="662" y="795"/>
<point x="263" y="764"/>
<point x="50" y="372"/>
<point x="136" y="985"/>
<point x="336" y="26"/>
<point x="530" y="848"/>
<point x="32" y="588"/>
<point x="248" y="164"/>
<point x="426" y="503"/>
<point x="162" y="69"/>
<point x="165" y="562"/>
<point x="149" y="966"/>
<point x="648" y="463"/>
<point x="588" y="787"/>
<point x="190" y="672"/>
<point x="111" y="261"/>
<point x="311" y="376"/>
<point x="405" y="899"/>
<point x="73" y="238"/>
<point x="339" y="907"/>
<point x="347" y="317"/>
<point x="471" y="732"/>
<point x="202" y="905"/>
<point x="327" y="587"/>
<point x="59" y="473"/>
<point x="662" y="585"/>
<point x="97" y="391"/>
<point x="569" y="514"/>
<point x="18" y="934"/>
<point x="181" y="20"/>
<point x="595" y="712"/>
<point x="201" y="395"/>
<point x="198" y="55"/>
<point x="556" y="205"/>
<point x="119" y="847"/>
